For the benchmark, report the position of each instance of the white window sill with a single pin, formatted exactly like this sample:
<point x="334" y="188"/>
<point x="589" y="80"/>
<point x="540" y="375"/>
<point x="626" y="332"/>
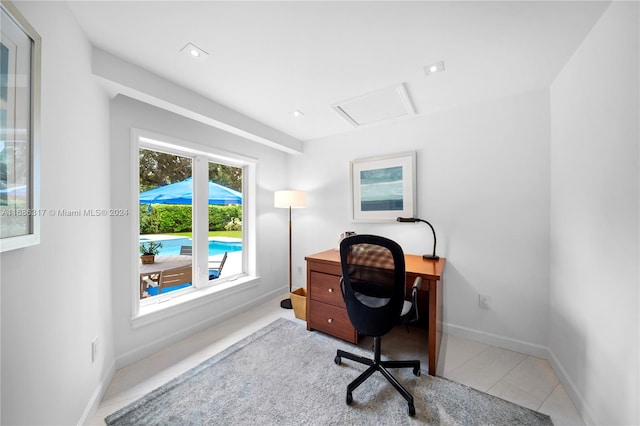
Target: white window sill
<point x="151" y="313"/>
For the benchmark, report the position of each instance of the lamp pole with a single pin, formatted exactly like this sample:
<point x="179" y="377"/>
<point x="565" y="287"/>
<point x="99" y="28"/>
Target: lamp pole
<point x="286" y="303"/>
<point x="432" y="256"/>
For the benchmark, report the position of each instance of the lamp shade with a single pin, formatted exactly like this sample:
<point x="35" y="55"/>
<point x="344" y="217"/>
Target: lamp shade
<point x="286" y="199"/>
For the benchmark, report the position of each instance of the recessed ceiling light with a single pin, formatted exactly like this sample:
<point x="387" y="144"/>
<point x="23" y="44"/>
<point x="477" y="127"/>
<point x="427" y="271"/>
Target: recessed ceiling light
<point x="434" y="68"/>
<point x="193" y="51"/>
<point x="297" y="113"/>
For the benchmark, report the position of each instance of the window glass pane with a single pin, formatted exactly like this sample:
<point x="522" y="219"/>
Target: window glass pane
<point x="166" y="218"/>
<point x="225" y="221"/>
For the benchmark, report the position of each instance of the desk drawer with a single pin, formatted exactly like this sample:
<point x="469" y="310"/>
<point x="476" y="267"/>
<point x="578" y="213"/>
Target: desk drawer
<point x="332" y="320"/>
<point x="326" y="288"/>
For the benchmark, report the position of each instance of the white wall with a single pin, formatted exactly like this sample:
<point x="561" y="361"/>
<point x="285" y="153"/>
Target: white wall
<point x="594" y="220"/>
<point x="56" y="296"/>
<point x="483" y="183"/>
<point x="134" y="343"/>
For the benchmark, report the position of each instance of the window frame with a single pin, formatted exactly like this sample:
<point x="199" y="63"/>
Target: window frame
<point x="202" y="291"/>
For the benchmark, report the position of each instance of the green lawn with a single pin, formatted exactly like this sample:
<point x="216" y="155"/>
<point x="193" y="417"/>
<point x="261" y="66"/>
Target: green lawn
<point x="232" y="234"/>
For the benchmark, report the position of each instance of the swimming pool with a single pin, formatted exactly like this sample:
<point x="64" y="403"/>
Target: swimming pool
<point x="172" y="246"/>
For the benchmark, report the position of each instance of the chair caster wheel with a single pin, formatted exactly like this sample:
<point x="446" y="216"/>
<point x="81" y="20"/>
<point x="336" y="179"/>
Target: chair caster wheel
<point x="350" y="398"/>
<point x="412" y="410"/>
<point x="416" y="372"/>
<point x="337" y="360"/>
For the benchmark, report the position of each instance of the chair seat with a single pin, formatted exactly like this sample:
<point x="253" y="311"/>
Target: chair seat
<point x="406" y="308"/>
<point x="153" y="291"/>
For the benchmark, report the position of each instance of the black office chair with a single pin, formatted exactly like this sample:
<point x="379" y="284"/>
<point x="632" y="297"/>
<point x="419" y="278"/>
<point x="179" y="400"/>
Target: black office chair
<point x="373" y="288"/>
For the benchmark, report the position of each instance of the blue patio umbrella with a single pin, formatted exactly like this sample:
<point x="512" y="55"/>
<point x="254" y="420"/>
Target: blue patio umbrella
<point x="182" y="193"/>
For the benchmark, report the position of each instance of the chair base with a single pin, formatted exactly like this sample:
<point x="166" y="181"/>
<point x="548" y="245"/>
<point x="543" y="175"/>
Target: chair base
<point x="377" y="364"/>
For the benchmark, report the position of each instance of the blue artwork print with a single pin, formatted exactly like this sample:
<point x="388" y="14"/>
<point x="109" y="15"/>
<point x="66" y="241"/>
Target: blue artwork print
<point x="381" y="189"/>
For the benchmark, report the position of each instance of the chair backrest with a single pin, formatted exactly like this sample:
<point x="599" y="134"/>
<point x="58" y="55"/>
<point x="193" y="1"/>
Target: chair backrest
<point x="224" y="259"/>
<point x="373" y="282"/>
<point x="215" y="271"/>
<point x="174" y="277"/>
<point x="186" y="250"/>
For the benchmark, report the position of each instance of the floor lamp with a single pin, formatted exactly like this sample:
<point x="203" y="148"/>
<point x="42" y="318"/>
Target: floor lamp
<point x="290" y="200"/>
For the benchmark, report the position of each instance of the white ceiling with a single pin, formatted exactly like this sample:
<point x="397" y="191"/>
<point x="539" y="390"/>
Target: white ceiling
<point x="268" y="59"/>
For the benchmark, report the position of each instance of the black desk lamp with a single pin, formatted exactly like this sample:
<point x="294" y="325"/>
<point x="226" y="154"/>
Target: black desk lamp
<point x="416" y="220"/>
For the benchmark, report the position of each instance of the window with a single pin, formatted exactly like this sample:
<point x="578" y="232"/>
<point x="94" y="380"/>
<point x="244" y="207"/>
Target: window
<point x="191" y="228"/>
<point x="166" y="222"/>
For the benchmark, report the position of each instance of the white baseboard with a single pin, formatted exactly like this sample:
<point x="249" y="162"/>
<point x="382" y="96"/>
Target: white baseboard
<point x="94" y="402"/>
<point x="497" y="340"/>
<point x="567" y="384"/>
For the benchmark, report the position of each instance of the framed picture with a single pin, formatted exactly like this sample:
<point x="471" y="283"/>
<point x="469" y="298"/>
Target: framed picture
<point x="383" y="188"/>
<point x="19" y="130"/>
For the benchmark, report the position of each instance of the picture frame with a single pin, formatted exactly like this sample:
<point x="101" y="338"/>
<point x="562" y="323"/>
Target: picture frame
<point x="383" y="188"/>
<point x="20" y="73"/>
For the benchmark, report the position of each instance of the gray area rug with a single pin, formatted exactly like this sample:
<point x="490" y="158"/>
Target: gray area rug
<point x="285" y="375"/>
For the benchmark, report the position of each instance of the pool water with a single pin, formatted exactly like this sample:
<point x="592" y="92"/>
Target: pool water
<point x="172" y="246"/>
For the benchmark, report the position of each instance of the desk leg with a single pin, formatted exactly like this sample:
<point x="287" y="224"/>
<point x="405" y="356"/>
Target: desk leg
<point x="435" y="324"/>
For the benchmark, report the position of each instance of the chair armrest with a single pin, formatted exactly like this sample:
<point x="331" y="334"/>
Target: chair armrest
<point x="417" y="285"/>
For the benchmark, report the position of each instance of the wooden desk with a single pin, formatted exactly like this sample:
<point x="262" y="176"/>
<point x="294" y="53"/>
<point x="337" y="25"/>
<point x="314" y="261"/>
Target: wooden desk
<point x="326" y="311"/>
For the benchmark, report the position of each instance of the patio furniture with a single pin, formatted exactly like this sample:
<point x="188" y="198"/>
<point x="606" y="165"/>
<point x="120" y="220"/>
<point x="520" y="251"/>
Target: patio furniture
<point x="150" y="273"/>
<point x="172" y="279"/>
<point x="215" y="267"/>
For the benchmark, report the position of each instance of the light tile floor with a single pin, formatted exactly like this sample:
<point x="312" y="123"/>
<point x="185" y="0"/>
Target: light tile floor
<point x="522" y="379"/>
<point x="525" y="380"/>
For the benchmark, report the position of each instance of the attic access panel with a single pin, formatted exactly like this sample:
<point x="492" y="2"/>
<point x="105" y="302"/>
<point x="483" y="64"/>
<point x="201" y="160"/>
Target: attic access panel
<point x="381" y="105"/>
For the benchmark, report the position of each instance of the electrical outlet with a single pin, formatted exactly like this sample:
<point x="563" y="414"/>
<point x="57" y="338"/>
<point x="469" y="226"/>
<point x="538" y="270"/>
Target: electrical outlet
<point x="94" y="349"/>
<point x="299" y="270"/>
<point x="484" y="301"/>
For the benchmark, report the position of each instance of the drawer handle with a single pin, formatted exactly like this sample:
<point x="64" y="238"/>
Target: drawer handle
<point x="330" y="290"/>
<point x="330" y="320"/>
